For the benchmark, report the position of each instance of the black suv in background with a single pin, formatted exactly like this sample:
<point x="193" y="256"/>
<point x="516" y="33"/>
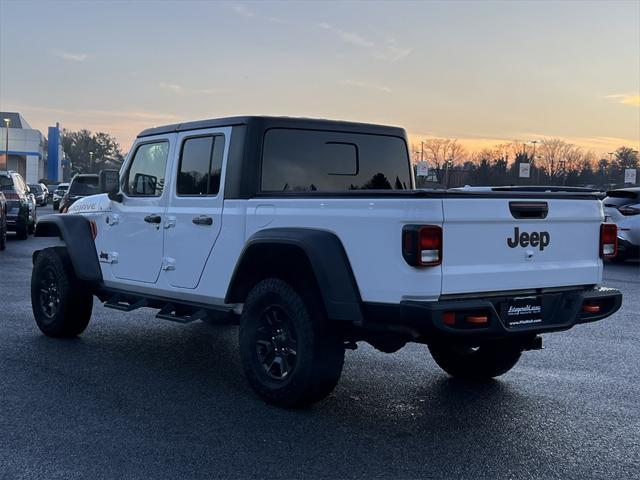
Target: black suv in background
<point x="82" y="185"/>
<point x="3" y="222"/>
<point x="15" y="190"/>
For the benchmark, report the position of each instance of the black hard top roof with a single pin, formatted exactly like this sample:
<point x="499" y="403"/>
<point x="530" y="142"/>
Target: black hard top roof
<point x="266" y="122"/>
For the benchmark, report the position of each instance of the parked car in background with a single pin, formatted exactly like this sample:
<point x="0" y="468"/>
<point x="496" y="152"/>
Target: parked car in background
<point x="33" y="213"/>
<point x="622" y="207"/>
<point x="58" y="193"/>
<point x="3" y="222"/>
<point x="45" y="190"/>
<point x="81" y="186"/>
<point x="16" y="193"/>
<point x="39" y="193"/>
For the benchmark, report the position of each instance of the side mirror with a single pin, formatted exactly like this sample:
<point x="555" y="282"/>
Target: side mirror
<point x="109" y="183"/>
<point x="145" y="184"/>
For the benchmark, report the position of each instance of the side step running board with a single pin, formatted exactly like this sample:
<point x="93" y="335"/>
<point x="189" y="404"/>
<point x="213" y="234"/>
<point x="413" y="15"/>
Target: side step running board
<point x="169" y="312"/>
<point x="118" y="302"/>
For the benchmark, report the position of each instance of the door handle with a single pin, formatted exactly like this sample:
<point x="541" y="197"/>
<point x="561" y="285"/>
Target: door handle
<point x="153" y="219"/>
<point x="203" y="220"/>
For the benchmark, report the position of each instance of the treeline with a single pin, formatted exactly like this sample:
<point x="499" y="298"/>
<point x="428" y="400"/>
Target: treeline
<point x="88" y="152"/>
<point x="552" y="162"/>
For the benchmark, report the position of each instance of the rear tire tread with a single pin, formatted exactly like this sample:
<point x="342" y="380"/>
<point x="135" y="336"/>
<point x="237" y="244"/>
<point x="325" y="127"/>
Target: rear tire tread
<point x="76" y="301"/>
<point x="317" y="370"/>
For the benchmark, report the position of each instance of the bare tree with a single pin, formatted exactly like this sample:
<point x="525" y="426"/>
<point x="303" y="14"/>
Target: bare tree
<point x="551" y="154"/>
<point x="440" y="150"/>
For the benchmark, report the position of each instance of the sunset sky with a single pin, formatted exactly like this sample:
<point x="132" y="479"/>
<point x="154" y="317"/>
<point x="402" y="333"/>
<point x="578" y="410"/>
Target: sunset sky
<point x="482" y="72"/>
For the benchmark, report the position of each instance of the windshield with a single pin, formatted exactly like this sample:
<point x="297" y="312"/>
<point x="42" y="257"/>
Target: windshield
<point x="62" y="187"/>
<point x="6" y="183"/>
<point x="84" y="186"/>
<point x="35" y="188"/>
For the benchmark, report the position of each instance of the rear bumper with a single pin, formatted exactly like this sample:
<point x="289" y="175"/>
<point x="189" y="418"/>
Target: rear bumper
<point x="16" y="222"/>
<point x="425" y="320"/>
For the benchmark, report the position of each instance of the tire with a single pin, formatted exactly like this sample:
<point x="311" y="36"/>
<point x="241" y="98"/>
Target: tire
<point x="61" y="303"/>
<point x="479" y="363"/>
<point x="3" y="232"/>
<point x="288" y="352"/>
<point x="22" y="230"/>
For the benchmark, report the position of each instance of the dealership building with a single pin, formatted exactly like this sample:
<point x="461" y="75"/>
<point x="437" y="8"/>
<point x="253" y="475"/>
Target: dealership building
<point x="26" y="149"/>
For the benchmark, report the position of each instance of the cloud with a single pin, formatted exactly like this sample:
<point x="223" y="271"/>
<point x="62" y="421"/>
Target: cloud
<point x="177" y="89"/>
<point x="277" y="20"/>
<point x="369" y="86"/>
<point x="392" y="53"/>
<point x="348" y="37"/>
<point x="627" y="98"/>
<point x="243" y="10"/>
<point x="74" y="57"/>
<point x="388" y="49"/>
<point x="91" y="113"/>
<point x="180" y="90"/>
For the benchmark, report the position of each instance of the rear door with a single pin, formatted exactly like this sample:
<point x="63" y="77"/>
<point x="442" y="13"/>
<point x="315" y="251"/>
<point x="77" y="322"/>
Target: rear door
<point x="497" y="244"/>
<point x="194" y="216"/>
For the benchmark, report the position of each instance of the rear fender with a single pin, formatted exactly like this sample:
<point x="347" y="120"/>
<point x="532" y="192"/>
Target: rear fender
<point x="325" y="255"/>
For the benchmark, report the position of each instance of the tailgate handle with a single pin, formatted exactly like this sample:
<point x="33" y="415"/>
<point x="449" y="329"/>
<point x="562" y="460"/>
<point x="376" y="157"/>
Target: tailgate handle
<point x="529" y="209"/>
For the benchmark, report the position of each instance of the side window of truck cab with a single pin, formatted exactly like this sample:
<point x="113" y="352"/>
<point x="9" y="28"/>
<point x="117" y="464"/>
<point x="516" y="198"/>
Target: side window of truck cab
<point x="146" y="174"/>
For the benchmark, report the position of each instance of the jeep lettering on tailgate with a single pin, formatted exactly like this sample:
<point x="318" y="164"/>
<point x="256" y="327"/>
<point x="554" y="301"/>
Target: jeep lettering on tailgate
<point x="525" y="239"/>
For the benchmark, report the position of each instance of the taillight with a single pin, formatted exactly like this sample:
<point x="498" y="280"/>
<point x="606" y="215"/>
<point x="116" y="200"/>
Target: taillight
<point x="627" y="210"/>
<point x="422" y="245"/>
<point x="608" y="240"/>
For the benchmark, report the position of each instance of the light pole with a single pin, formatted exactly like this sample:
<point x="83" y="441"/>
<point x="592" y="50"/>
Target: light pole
<point x="90" y="162"/>
<point x="533" y="157"/>
<point x="7" y="122"/>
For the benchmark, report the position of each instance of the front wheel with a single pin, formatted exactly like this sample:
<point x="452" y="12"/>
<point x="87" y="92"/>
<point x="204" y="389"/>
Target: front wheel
<point x="476" y="363"/>
<point x="22" y="230"/>
<point x="288" y="352"/>
<point x="61" y="303"/>
<point x="3" y="232"/>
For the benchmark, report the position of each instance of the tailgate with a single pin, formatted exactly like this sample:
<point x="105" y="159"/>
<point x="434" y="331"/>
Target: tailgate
<point x="497" y="244"/>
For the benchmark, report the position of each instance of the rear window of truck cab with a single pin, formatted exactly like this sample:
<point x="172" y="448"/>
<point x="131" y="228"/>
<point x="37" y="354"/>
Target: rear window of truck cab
<point x="325" y="161"/>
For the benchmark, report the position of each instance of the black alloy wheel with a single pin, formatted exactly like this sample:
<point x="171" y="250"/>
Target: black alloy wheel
<point x="276" y="343"/>
<point x="49" y="293"/>
<point x="290" y="353"/>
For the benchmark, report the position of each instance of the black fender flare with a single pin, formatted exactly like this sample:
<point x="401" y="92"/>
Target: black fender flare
<point x="75" y="231"/>
<point x="328" y="261"/>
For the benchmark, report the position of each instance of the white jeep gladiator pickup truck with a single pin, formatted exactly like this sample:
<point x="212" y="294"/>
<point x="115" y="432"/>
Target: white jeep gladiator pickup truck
<point x="312" y="233"/>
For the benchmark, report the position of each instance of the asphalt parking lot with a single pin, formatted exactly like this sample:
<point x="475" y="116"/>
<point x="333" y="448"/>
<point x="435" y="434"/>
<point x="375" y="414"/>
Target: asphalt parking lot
<point x="137" y="397"/>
